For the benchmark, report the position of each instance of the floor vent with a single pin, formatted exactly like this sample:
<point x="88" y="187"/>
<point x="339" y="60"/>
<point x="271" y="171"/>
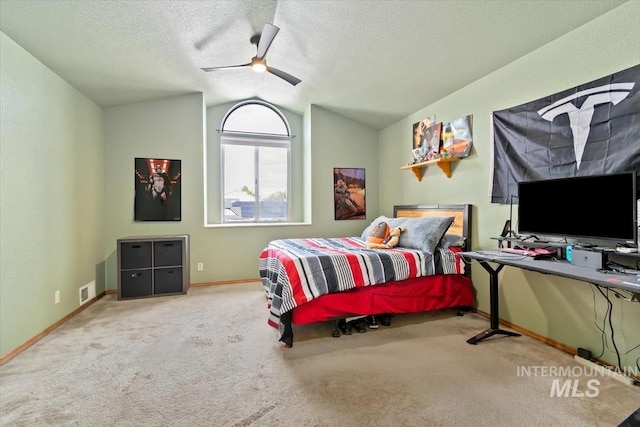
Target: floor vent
<point x="87" y="292"/>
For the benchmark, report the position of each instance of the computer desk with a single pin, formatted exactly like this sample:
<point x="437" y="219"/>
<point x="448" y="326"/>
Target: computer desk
<point x="556" y="267"/>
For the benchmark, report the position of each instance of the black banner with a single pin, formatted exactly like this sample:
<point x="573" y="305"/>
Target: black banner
<point x="592" y="129"/>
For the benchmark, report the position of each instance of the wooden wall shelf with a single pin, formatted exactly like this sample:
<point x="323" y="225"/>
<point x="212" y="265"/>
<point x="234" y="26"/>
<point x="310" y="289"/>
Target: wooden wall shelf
<point x="443" y="164"/>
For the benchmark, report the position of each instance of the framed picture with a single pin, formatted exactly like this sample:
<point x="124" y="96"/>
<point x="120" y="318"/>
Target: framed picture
<point x="157" y="190"/>
<point x="349" y="193"/>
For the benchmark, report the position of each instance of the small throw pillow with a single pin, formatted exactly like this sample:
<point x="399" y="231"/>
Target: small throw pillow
<point x="365" y="234"/>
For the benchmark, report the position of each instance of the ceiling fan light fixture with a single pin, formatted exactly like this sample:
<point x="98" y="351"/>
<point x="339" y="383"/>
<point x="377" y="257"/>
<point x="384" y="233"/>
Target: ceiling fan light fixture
<point x="258" y="65"/>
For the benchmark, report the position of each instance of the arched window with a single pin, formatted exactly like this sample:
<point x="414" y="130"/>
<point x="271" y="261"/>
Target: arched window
<point x="255" y="153"/>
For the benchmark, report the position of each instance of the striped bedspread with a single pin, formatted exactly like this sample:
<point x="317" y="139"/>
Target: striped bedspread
<point x="295" y="271"/>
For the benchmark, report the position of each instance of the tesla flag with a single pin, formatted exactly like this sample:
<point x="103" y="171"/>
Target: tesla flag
<point x="591" y="129"/>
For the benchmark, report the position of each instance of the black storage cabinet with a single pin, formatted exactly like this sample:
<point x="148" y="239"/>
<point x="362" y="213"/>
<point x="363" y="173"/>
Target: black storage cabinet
<point x="153" y="266"/>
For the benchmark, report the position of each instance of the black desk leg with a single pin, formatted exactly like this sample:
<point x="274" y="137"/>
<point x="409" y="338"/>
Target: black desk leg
<point x="493" y="300"/>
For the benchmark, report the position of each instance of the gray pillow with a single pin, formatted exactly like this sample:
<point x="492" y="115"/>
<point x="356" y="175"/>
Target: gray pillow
<point x="451" y="240"/>
<point x="365" y="233"/>
<point x="422" y="233"/>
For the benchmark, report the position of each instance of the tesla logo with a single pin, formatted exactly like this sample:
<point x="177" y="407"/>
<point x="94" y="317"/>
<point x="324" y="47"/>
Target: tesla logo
<point x="580" y="118"/>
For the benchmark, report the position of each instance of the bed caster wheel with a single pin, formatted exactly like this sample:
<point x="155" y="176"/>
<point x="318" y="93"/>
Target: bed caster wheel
<point x="335" y="333"/>
<point x="460" y="313"/>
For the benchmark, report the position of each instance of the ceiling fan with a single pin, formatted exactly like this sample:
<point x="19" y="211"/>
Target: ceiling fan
<point x="259" y="63"/>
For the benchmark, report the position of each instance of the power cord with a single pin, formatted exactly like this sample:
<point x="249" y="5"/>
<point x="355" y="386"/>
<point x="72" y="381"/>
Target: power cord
<point x="602" y="330"/>
<point x="631" y="349"/>
<point x="613" y="341"/>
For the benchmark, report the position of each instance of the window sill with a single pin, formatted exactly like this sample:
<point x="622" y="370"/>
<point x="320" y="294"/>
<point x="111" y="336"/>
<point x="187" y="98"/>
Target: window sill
<point x="256" y="224"/>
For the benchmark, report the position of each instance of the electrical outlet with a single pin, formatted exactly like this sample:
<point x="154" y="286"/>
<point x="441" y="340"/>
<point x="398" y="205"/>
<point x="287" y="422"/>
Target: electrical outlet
<point x="56" y="297"/>
<point x="200" y="266"/>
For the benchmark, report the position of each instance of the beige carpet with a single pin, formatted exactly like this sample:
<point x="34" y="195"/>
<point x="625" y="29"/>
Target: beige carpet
<point x="210" y="359"/>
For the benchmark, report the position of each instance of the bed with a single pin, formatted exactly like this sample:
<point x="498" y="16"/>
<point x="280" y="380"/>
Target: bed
<point x="310" y="280"/>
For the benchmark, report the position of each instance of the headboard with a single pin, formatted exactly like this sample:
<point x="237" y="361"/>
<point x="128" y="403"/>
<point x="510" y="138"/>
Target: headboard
<point x="461" y="225"/>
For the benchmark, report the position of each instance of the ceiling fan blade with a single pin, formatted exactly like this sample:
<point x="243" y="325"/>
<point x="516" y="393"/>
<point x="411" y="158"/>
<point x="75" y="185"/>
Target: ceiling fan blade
<point x="228" y="67"/>
<point x="284" y="76"/>
<point x="268" y="34"/>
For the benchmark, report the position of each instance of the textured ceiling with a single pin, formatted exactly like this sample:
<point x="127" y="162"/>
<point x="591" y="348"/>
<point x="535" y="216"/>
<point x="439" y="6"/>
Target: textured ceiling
<point x="373" y="61"/>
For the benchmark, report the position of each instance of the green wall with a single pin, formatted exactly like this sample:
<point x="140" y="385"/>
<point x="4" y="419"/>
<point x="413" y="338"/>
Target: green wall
<point x="174" y="128"/>
<point x="51" y="196"/>
<point x="68" y="190"/>
<point x="560" y="309"/>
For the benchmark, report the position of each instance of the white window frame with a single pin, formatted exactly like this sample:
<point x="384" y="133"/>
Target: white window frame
<point x="256" y="140"/>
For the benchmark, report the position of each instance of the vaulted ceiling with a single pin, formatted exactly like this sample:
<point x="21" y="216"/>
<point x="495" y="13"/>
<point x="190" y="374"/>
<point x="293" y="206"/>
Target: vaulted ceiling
<point x="373" y="61"/>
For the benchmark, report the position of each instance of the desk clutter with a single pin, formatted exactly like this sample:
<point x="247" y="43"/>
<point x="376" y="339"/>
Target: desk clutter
<point x="621" y="259"/>
<point x="536" y="253"/>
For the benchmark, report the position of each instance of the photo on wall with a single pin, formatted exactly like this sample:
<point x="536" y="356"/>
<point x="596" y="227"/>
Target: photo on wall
<point x="432" y="137"/>
<point x="349" y="193"/>
<point x="157" y="189"/>
<point x="457" y="137"/>
<point x="419" y="146"/>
